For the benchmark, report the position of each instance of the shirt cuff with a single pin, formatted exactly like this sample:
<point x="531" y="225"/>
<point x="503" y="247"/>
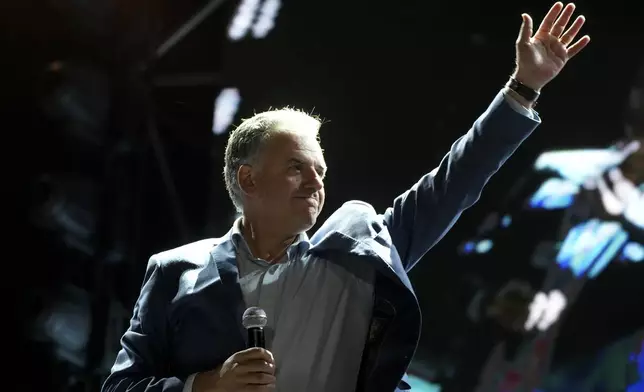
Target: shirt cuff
<point x="518" y="107"/>
<point x="187" y="387"/>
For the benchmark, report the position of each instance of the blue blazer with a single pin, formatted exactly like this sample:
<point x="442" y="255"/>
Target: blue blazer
<point x="187" y="318"/>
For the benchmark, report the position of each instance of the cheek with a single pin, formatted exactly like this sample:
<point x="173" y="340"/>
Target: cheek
<point x="281" y="190"/>
<point x="293" y="182"/>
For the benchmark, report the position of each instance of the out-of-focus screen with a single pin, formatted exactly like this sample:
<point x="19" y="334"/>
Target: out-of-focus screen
<point x="572" y="231"/>
<point x="602" y="207"/>
<point x="613" y="233"/>
<point x="418" y="384"/>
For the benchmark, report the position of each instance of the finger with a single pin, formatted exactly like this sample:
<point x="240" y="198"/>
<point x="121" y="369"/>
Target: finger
<point x="256" y="379"/>
<point x="252" y="354"/>
<point x="526" y="30"/>
<point x="574" y="49"/>
<point x="563" y="20"/>
<point x="551" y="16"/>
<point x="254" y="366"/>
<point x="572" y="32"/>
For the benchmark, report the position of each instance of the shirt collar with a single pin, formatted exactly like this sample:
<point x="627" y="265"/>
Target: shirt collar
<point x="300" y="246"/>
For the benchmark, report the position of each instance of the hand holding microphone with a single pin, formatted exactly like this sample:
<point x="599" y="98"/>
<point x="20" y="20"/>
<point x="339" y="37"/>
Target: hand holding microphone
<point x="250" y="370"/>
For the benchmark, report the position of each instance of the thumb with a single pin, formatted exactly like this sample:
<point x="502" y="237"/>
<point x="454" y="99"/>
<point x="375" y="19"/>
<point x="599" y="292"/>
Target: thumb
<point x="526" y="30"/>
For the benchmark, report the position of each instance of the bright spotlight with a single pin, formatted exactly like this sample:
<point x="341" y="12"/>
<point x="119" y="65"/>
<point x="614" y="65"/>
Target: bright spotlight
<point x="226" y="107"/>
<point x="254" y="15"/>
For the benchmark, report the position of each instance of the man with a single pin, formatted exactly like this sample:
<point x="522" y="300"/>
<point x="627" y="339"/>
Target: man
<point x="341" y="311"/>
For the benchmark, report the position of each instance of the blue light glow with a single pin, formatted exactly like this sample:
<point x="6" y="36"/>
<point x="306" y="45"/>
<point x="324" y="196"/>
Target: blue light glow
<point x="633" y="252"/>
<point x="591" y="246"/>
<point x="579" y="165"/>
<point x="419" y="385"/>
<point x="553" y="194"/>
<point x="506" y="221"/>
<point x="480" y="246"/>
<point x="484" y="246"/>
<point x="638" y="386"/>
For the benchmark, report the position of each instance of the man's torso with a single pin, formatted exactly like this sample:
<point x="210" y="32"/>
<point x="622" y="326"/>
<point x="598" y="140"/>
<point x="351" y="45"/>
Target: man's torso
<point x="318" y="311"/>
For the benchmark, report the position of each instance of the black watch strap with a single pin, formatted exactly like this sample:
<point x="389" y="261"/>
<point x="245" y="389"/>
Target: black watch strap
<point x="523" y="90"/>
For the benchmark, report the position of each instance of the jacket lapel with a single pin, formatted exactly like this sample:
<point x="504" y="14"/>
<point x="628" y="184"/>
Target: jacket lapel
<point x="378" y="248"/>
<point x="382" y="246"/>
<point x="387" y="349"/>
<point x="222" y="270"/>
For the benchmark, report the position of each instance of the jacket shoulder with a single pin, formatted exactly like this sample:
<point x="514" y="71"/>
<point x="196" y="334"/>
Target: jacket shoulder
<point x="355" y="209"/>
<point x="194" y="254"/>
<point x="355" y="218"/>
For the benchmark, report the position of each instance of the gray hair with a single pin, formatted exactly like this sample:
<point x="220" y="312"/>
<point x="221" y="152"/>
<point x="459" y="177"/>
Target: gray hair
<point x="246" y="141"/>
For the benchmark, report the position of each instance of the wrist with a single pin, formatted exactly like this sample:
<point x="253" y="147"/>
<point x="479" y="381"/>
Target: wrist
<point x="518" y="98"/>
<point x="524" y="94"/>
<point x="205" y="382"/>
<point x="527" y="81"/>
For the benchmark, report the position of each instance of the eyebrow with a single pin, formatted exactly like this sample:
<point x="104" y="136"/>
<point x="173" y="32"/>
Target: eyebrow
<point x="319" y="168"/>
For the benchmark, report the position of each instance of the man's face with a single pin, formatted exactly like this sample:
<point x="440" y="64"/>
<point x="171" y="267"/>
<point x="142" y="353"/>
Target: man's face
<point x="288" y="181"/>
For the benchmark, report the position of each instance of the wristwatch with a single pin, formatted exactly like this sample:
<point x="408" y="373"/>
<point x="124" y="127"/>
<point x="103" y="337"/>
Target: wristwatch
<point x="524" y="91"/>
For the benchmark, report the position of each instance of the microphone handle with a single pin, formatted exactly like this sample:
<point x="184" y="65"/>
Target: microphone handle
<point x="256" y="337"/>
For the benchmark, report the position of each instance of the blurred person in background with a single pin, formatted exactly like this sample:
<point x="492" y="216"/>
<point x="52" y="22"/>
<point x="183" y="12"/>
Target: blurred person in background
<point x="621" y="189"/>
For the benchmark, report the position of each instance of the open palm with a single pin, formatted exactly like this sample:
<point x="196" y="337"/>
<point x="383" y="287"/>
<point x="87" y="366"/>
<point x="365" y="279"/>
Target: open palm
<point x="541" y="57"/>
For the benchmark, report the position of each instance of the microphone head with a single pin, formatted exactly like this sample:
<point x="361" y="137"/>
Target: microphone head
<point x="254" y="317"/>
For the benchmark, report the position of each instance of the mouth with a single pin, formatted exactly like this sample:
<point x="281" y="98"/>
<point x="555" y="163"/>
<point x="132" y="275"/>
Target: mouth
<point x="312" y="201"/>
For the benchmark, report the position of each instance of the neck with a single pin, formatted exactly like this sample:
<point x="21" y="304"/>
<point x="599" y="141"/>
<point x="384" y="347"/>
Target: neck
<point x="264" y="240"/>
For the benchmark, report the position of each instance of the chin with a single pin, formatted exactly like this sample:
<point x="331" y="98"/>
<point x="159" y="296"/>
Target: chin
<point x="306" y="226"/>
<point x="306" y="223"/>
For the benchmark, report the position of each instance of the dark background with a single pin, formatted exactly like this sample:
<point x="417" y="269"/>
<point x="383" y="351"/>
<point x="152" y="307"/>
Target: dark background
<point x="395" y="83"/>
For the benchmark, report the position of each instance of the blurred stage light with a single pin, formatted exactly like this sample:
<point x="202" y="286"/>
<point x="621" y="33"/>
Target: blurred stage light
<point x="480" y="246"/>
<point x="418" y="384"/>
<point x="589" y="247"/>
<point x="545" y="310"/>
<point x="597" y="199"/>
<point x="638" y="359"/>
<point x="484" y="246"/>
<point x="581" y="165"/>
<point x="633" y="252"/>
<point x="493" y="221"/>
<point x="255" y="16"/>
<point x="66" y="205"/>
<point x="226" y="107"/>
<point x="553" y="194"/>
<point x="266" y="18"/>
<point x="80" y="102"/>
<point x="66" y="324"/>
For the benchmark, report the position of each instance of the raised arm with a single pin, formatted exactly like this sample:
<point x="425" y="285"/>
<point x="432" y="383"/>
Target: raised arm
<point x="141" y="363"/>
<point x="422" y="215"/>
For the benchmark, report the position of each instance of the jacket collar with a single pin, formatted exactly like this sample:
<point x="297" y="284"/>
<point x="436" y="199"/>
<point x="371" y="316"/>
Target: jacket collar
<point x="224" y="253"/>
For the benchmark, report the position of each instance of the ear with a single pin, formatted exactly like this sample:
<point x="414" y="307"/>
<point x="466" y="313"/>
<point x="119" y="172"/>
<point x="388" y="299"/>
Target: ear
<point x="246" y="180"/>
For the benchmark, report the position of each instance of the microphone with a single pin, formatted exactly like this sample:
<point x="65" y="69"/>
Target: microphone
<point x="254" y="320"/>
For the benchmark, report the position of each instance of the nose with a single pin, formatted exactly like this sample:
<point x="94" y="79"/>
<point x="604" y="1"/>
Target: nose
<point x="317" y="183"/>
<point x="314" y="181"/>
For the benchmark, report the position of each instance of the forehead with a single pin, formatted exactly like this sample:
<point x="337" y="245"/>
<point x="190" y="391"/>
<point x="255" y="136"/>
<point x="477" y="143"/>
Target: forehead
<point x="286" y="144"/>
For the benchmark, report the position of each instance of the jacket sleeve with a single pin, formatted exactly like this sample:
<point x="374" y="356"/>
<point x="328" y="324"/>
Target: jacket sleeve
<point x="142" y="361"/>
<point x="422" y="215"/>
